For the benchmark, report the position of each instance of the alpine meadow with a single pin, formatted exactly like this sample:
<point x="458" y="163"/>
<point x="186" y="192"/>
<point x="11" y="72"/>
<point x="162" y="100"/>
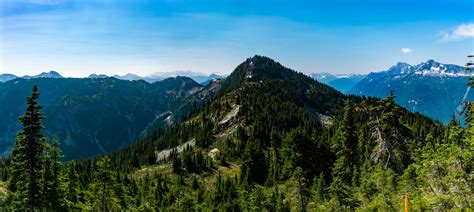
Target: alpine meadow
<point x="151" y="113"/>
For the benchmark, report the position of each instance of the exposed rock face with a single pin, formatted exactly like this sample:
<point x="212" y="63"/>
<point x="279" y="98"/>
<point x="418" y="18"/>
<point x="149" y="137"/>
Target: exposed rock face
<point x="161" y="155"/>
<point x="214" y="153"/>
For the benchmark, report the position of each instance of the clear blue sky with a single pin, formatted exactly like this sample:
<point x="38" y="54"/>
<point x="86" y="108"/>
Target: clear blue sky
<point x="80" y="37"/>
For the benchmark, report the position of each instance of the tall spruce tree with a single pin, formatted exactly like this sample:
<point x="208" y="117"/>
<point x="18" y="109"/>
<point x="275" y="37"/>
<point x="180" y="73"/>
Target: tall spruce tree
<point x="72" y="185"/>
<point x="318" y="190"/>
<point x="104" y="198"/>
<point x="470" y="105"/>
<point x="52" y="189"/>
<point x="346" y="149"/>
<point x="26" y="168"/>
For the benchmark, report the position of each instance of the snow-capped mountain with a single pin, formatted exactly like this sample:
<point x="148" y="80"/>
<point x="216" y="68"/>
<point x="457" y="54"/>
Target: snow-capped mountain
<point x="430" y="68"/>
<point x="433" y="68"/>
<point x="431" y="88"/>
<point x="341" y="82"/>
<point x="51" y="74"/>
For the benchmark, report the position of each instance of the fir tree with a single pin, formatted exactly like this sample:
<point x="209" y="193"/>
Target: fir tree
<point x="27" y="159"/>
<point x="390" y="135"/>
<point x="317" y="190"/>
<point x="342" y="172"/>
<point x="52" y="190"/>
<point x="104" y="195"/>
<point x="301" y="188"/>
<point x="72" y="185"/>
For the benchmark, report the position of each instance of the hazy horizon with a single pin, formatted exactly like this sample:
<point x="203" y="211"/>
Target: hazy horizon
<point x="194" y="73"/>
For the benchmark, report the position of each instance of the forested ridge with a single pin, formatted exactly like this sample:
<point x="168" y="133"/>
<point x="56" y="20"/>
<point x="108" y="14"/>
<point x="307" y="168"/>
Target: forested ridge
<point x="92" y="116"/>
<point x="271" y="139"/>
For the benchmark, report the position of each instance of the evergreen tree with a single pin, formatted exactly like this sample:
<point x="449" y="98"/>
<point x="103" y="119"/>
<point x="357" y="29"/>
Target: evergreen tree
<point x="52" y="191"/>
<point x="470" y="105"/>
<point x="301" y="188"/>
<point x="390" y="135"/>
<point x="254" y="167"/>
<point x="26" y="168"/>
<point x="317" y="190"/>
<point x="342" y="172"/>
<point x="104" y="195"/>
<point x="298" y="151"/>
<point x="72" y="185"/>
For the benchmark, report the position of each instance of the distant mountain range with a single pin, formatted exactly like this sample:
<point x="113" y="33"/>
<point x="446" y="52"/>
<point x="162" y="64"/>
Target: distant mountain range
<point x="51" y="74"/>
<point x="341" y="82"/>
<point x="201" y="78"/>
<point x="430" y="88"/>
<point x="7" y="77"/>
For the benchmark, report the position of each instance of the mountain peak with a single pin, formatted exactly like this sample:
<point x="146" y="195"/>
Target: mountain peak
<point x="261" y="67"/>
<point x="50" y="74"/>
<point x="7" y="77"/>
<point x="429" y="68"/>
<point x="428" y="64"/>
<point x="400" y="68"/>
<point x="97" y="76"/>
<point x="433" y="68"/>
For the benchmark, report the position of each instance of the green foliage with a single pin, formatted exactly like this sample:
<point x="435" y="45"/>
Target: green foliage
<point x="27" y="157"/>
<point x="105" y="197"/>
<point x="52" y="176"/>
<point x="254" y="167"/>
<point x="72" y="185"/>
<point x="287" y="148"/>
<point x="87" y="111"/>
<point x="391" y="136"/>
<point x="346" y="153"/>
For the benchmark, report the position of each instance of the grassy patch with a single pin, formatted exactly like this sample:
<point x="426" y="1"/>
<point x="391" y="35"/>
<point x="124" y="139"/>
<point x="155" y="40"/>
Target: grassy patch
<point x="3" y="191"/>
<point x="151" y="170"/>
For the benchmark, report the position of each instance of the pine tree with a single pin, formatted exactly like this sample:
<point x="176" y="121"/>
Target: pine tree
<point x="52" y="190"/>
<point x="342" y="171"/>
<point x="72" y="185"/>
<point x="390" y="135"/>
<point x="104" y="195"/>
<point x="27" y="159"/>
<point x="254" y="168"/>
<point x="298" y="151"/>
<point x="301" y="188"/>
<point x="318" y="189"/>
<point x="470" y="105"/>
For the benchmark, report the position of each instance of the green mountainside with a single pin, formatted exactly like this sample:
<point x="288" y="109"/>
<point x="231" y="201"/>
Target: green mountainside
<point x="275" y="139"/>
<point x="92" y="116"/>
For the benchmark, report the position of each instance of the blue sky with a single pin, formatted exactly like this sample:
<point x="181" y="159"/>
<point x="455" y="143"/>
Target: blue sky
<point x="79" y="37"/>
